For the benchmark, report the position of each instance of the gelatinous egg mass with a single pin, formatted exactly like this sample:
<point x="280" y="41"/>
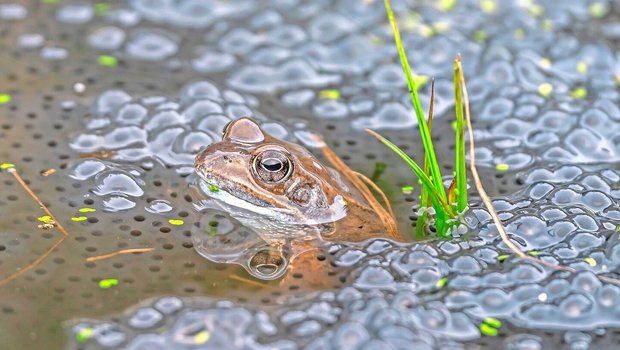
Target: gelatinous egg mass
<point x="104" y="105"/>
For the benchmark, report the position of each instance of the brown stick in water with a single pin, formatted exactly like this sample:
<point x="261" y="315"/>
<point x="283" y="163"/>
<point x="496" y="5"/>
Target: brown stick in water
<point x="376" y="188"/>
<point x="120" y="252"/>
<point x="62" y="230"/>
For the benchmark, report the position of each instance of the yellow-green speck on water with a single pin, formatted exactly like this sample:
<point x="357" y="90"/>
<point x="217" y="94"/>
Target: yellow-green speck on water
<point x="5" y="98"/>
<point x="490" y="326"/>
<point x="201" y="337"/>
<point x="84" y="335"/>
<point x="545" y="89"/>
<point x="493" y="322"/>
<point x="590" y="261"/>
<point x="107" y="61"/>
<point x="108" y="283"/>
<point x="502" y="167"/>
<point x="407" y="189"/>
<point x="579" y="93"/>
<point x="176" y="222"/>
<point x="330" y="94"/>
<point x="46" y="219"/>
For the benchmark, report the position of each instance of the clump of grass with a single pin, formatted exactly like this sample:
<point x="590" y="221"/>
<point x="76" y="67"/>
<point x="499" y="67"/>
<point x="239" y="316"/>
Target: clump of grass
<point x="449" y="204"/>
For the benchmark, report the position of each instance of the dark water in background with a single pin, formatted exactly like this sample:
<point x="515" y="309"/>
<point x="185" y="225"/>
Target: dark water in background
<point x="149" y="82"/>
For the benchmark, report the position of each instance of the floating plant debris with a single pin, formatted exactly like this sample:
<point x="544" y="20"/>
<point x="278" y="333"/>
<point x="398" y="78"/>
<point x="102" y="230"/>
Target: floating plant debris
<point x="542" y="80"/>
<point x="108" y="283"/>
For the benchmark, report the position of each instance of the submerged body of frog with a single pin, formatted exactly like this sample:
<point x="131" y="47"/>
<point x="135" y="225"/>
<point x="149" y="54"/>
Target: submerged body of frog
<point x="282" y="192"/>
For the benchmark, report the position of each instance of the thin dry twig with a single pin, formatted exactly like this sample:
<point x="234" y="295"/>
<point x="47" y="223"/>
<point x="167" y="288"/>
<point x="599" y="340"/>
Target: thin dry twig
<point x="42" y="257"/>
<point x="120" y="252"/>
<point x="247" y="281"/>
<point x="489" y="204"/>
<point x="389" y="222"/>
<point x="376" y="188"/>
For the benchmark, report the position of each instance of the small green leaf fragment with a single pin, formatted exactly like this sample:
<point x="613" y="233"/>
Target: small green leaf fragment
<point x="545" y="89"/>
<point x="597" y="10"/>
<point x="446" y="5"/>
<point x="533" y="253"/>
<point x="407" y="189"/>
<point x="480" y="35"/>
<point x="101" y="8"/>
<point x="84" y="334"/>
<point x="343" y="202"/>
<point x="213" y="188"/>
<point x="46" y="219"/>
<point x="5" y="98"/>
<point x="107" y="61"/>
<point x="330" y="94"/>
<point x="108" y="283"/>
<point x="488" y="6"/>
<point x="579" y="93"/>
<point x="536" y="10"/>
<point x="502" y="258"/>
<point x="176" y="222"/>
<point x="87" y="210"/>
<point x="590" y="261"/>
<point x="79" y="218"/>
<point x="420" y="80"/>
<point x="493" y="322"/>
<point x="502" y="167"/>
<point x="202" y="337"/>
<point x="442" y="282"/>
<point x="487" y="330"/>
<point x="582" y="67"/>
<point x="5" y="166"/>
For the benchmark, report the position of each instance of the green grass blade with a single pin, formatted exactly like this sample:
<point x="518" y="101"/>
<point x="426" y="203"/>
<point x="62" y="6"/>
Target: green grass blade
<point x="424" y="131"/>
<point x="421" y="222"/>
<point x="440" y="205"/>
<point x="460" y="166"/>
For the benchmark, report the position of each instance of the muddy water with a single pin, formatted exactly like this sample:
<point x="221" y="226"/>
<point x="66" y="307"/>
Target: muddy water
<point x="142" y="84"/>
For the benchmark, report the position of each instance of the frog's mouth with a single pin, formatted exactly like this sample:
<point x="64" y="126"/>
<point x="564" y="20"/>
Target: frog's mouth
<point x="230" y="196"/>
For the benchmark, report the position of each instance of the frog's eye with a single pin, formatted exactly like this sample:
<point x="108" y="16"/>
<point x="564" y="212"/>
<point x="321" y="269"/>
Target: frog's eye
<point x="272" y="166"/>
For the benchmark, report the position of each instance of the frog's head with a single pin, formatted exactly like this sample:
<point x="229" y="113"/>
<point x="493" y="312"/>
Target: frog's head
<point x="282" y="181"/>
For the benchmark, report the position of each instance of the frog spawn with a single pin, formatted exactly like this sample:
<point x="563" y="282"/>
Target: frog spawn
<point x="276" y="54"/>
<point x="153" y="127"/>
<point x="395" y="295"/>
<point x="500" y="52"/>
<point x="132" y="130"/>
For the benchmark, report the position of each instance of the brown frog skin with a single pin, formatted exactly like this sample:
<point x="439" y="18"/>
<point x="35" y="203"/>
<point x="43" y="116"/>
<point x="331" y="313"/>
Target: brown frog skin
<point x="281" y="190"/>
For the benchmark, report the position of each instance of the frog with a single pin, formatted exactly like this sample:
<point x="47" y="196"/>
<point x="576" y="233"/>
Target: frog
<point x="284" y="193"/>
